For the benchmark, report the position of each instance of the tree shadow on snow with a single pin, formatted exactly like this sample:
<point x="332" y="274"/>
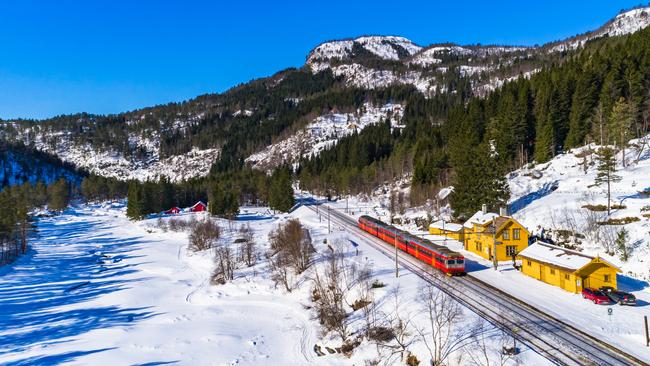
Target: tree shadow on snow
<point x="54" y="359"/>
<point x="44" y="298"/>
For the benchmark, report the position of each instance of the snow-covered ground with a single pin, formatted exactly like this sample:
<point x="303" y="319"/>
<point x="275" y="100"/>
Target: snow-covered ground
<point x="323" y="132"/>
<point x="551" y="197"/>
<point x="99" y="289"/>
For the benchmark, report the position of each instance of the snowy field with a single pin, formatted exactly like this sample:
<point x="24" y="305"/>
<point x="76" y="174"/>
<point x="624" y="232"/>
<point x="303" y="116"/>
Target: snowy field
<point x="99" y="289"/>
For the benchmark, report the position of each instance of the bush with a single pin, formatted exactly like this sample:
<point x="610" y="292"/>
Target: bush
<point x="620" y="221"/>
<point x="204" y="235"/>
<point x="381" y="334"/>
<point x="360" y="303"/>
<point x="377" y="284"/>
<point x="603" y="208"/>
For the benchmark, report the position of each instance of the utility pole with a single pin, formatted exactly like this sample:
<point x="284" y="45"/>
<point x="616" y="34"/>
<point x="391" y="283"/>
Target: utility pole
<point x="647" y="336"/>
<point x="494" y="245"/>
<point x="329" y="231"/>
<point x="396" y="263"/>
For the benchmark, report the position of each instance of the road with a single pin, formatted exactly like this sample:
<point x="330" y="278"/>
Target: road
<point x="558" y="341"/>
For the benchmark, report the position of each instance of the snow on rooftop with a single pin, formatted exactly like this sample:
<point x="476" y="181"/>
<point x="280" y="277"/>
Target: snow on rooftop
<point x="447" y="226"/>
<point x="480" y="218"/>
<point x="554" y="255"/>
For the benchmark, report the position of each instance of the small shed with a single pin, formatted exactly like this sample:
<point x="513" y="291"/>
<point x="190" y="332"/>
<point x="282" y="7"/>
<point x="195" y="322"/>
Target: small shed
<point x="199" y="207"/>
<point x="565" y="268"/>
<point x="173" y="211"/>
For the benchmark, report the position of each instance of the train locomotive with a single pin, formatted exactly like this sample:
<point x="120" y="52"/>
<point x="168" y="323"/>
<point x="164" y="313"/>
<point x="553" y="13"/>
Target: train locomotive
<point x="437" y="256"/>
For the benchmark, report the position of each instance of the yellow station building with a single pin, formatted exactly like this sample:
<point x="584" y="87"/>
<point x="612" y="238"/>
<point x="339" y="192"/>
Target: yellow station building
<point x="567" y="269"/>
<point x="484" y="228"/>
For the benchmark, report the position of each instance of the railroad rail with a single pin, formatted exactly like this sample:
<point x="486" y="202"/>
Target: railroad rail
<point x="554" y="339"/>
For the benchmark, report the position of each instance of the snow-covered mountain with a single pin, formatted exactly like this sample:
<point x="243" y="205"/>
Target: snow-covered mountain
<point x="182" y="140"/>
<point x="385" y="47"/>
<point x="625" y="23"/>
<point x="143" y="163"/>
<point x="406" y="63"/>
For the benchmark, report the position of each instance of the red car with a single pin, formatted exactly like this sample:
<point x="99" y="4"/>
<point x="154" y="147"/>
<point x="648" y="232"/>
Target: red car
<point x="597" y="296"/>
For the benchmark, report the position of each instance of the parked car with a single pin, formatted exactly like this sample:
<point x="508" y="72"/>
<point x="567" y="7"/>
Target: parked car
<point x="597" y="296"/>
<point x="619" y="297"/>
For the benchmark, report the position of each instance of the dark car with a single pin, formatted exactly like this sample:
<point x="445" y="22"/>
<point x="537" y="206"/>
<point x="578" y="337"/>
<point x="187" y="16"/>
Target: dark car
<point x="597" y="296"/>
<point x="619" y="297"/>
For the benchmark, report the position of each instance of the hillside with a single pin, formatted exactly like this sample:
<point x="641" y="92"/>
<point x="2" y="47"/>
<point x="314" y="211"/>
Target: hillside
<point x="245" y="124"/>
<point x="560" y="201"/>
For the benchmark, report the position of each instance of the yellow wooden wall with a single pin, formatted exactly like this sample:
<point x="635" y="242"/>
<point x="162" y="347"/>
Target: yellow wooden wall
<point x="449" y="234"/>
<point x="592" y="275"/>
<point x="475" y="235"/>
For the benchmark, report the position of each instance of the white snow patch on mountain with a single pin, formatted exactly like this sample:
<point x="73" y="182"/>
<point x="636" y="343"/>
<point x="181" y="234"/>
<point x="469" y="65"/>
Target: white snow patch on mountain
<point x="323" y="133"/>
<point x="624" y="23"/>
<point x="381" y="46"/>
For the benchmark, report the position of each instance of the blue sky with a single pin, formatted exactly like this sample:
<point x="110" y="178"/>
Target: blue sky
<point x="59" y="57"/>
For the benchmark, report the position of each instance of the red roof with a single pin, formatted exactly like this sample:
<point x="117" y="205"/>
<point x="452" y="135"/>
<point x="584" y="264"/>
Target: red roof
<point x="199" y="207"/>
<point x="173" y="210"/>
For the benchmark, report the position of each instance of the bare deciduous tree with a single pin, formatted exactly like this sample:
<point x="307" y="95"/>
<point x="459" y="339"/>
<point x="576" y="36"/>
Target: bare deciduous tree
<point x="294" y="241"/>
<point x="280" y="270"/>
<point x="329" y="295"/>
<point x="490" y="347"/>
<point x="204" y="235"/>
<point x="225" y="264"/>
<point x="247" y="248"/>
<point x="446" y="334"/>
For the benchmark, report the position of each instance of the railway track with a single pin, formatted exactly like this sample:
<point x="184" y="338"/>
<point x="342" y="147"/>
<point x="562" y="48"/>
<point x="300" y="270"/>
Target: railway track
<point x="559" y="342"/>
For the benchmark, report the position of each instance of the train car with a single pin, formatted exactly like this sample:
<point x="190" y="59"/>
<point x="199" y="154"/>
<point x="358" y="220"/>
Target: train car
<point x="437" y="256"/>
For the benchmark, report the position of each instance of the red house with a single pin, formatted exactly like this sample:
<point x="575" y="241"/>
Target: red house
<point x="173" y="211"/>
<point x="199" y="207"/>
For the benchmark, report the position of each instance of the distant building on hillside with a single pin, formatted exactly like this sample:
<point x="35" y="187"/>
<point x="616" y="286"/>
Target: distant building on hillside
<point x="484" y="228"/>
<point x="173" y="211"/>
<point x="199" y="207"/>
<point x="567" y="269"/>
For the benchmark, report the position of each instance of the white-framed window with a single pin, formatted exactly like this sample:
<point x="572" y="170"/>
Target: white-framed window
<point x="511" y="250"/>
<point x="516" y="234"/>
<point x="506" y="234"/>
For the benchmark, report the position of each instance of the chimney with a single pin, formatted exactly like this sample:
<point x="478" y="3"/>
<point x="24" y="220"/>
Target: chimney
<point x="484" y="209"/>
<point x="503" y="211"/>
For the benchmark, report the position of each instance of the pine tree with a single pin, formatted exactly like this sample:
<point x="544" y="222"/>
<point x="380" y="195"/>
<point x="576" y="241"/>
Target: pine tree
<point x="58" y="195"/>
<point x="606" y="172"/>
<point x="281" y="191"/>
<point x="477" y="181"/>
<point x="621" y="121"/>
<point x="621" y="244"/>
<point x="135" y="202"/>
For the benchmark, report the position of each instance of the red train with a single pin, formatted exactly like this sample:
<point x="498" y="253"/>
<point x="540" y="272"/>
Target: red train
<point x="437" y="256"/>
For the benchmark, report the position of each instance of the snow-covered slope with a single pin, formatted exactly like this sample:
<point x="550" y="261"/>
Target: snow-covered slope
<point x="625" y="23"/>
<point x="323" y="132"/>
<point x="146" y="164"/>
<point x="18" y="166"/>
<point x="384" y="47"/>
<point x="551" y="198"/>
